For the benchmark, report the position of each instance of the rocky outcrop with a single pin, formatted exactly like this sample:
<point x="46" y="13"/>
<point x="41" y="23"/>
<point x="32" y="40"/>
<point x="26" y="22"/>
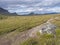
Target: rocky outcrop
<point x="48" y="27"/>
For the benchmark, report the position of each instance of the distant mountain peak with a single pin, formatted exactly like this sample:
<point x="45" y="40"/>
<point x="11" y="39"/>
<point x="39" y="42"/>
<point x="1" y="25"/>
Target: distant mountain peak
<point x="4" y="11"/>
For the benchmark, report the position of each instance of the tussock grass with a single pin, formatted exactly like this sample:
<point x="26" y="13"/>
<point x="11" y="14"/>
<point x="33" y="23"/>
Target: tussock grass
<point x="21" y="23"/>
<point x="46" y="39"/>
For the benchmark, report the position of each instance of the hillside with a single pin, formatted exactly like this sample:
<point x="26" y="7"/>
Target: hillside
<point x="12" y="27"/>
<point x="5" y="12"/>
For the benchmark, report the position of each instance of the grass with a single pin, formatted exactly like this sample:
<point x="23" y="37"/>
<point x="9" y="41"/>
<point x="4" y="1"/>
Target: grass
<point x="22" y="23"/>
<point x="46" y="39"/>
<point x="19" y="23"/>
<point x="3" y="17"/>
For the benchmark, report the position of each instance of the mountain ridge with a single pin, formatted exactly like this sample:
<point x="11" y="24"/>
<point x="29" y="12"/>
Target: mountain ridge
<point x="5" y="12"/>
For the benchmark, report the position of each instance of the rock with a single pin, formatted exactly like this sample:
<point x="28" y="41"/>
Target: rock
<point x="48" y="28"/>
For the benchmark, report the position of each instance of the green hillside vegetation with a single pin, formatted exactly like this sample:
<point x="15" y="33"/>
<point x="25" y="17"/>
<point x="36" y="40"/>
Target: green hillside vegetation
<point x="3" y="17"/>
<point x="43" y="40"/>
<point x="19" y="24"/>
<point x="46" y="39"/>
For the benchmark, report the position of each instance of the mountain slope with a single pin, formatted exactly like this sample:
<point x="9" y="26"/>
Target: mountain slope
<point x="3" y="11"/>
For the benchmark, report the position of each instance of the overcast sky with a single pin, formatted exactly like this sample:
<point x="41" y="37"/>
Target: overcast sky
<point x="27" y="6"/>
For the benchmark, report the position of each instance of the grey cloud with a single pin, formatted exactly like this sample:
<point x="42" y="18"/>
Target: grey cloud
<point x="30" y="5"/>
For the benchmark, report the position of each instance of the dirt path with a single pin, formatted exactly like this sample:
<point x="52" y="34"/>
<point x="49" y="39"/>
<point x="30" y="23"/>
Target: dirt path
<point x="18" y="38"/>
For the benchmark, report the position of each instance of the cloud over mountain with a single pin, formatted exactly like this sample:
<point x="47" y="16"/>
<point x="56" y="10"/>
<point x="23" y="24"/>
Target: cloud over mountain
<point x="27" y="6"/>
